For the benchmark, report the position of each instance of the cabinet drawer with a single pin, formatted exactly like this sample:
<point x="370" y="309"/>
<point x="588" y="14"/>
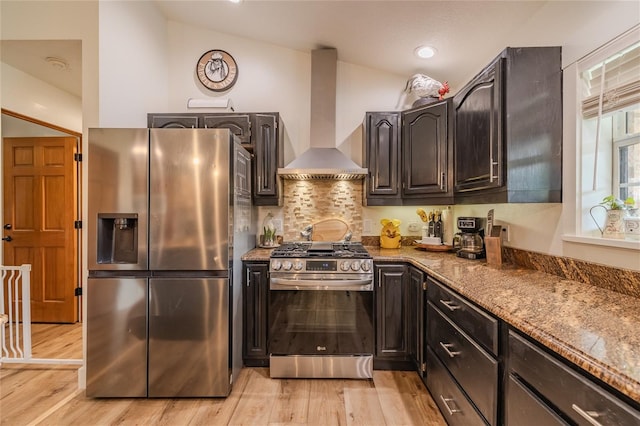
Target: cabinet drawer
<point x="576" y="396"/>
<point x="453" y="404"/>
<point x="480" y="325"/>
<point x="475" y="370"/>
<point x="523" y="408"/>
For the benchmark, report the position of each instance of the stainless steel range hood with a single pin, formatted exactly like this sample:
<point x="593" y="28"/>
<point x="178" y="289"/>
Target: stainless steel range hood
<point x="323" y="160"/>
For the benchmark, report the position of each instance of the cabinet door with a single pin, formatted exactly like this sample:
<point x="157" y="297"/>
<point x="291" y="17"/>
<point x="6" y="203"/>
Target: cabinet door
<point x="173" y="121"/>
<point x="417" y="318"/>
<point x="239" y="124"/>
<point x="425" y="154"/>
<point x="382" y="157"/>
<point x="479" y="132"/>
<point x="255" y="294"/>
<point x="392" y="314"/>
<point x="266" y="156"/>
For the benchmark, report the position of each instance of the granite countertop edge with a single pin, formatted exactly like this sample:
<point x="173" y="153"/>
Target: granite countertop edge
<point x="575" y="320"/>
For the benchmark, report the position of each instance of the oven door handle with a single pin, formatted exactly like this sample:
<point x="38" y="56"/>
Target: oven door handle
<point x="301" y="284"/>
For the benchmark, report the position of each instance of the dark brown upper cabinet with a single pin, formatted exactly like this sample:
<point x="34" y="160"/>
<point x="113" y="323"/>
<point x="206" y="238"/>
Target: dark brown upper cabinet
<point x="382" y="158"/>
<point x="508" y="130"/>
<point x="409" y="156"/>
<point x="268" y="156"/>
<point x="427" y="154"/>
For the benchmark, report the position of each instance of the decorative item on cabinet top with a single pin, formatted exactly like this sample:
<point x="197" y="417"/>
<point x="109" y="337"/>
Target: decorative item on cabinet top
<point x="427" y="88"/>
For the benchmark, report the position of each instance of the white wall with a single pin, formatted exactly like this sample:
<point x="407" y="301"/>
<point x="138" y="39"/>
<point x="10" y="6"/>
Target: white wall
<point x="134" y="62"/>
<point x="36" y="99"/>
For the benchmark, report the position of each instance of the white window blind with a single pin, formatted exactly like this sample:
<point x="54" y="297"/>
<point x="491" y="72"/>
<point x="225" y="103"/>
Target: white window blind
<point x="621" y="80"/>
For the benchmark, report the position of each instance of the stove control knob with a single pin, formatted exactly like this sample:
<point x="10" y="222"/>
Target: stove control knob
<point x="287" y="265"/>
<point x="366" y="266"/>
<point x="276" y="265"/>
<point x="355" y="265"/>
<point x="298" y="265"/>
<point x="344" y="266"/>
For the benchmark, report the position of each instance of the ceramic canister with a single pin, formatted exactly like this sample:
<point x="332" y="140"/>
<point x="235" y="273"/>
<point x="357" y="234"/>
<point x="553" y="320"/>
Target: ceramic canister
<point x="632" y="228"/>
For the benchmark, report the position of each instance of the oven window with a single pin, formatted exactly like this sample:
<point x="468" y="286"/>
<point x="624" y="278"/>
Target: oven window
<point x="324" y="322"/>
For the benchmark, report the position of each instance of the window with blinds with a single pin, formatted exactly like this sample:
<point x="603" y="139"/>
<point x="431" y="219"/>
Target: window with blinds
<point x="611" y="101"/>
<point x="616" y="81"/>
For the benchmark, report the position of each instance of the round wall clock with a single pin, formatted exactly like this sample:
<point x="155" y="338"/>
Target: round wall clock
<point x="217" y="70"/>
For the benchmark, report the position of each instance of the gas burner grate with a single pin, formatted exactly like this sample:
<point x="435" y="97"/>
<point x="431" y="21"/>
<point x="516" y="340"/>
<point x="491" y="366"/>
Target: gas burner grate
<point x="321" y="249"/>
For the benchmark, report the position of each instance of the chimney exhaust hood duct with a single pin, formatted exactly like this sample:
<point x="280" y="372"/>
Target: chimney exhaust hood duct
<point x="323" y="160"/>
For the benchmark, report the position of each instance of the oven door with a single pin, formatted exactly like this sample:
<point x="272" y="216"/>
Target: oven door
<point x="309" y="316"/>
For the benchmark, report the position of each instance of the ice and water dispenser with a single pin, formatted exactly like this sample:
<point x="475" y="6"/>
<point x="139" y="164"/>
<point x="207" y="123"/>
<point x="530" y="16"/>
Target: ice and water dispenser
<point x="117" y="238"/>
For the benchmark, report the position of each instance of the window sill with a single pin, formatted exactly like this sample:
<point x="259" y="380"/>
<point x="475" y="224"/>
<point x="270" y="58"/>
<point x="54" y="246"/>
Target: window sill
<point x="606" y="242"/>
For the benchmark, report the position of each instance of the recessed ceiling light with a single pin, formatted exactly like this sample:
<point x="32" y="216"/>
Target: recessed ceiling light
<point x="235" y="1"/>
<point x="425" y="51"/>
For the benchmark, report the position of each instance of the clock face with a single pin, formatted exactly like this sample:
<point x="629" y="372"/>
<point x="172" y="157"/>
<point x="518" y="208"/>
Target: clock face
<point x="217" y="70"/>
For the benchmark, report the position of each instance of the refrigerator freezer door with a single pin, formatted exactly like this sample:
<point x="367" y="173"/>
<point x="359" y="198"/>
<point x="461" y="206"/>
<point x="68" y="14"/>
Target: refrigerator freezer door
<point x="118" y="187"/>
<point x="189" y="199"/>
<point x="116" y="337"/>
<point x="189" y="337"/>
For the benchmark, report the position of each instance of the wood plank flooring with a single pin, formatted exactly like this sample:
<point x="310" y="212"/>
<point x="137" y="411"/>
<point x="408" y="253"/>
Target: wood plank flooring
<point x="48" y="395"/>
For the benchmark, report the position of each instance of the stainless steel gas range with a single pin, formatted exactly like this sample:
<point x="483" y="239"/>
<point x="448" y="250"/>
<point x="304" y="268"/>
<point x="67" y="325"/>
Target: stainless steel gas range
<point x="321" y="310"/>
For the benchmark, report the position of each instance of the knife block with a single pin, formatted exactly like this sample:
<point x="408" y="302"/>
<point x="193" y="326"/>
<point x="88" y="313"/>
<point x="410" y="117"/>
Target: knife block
<point x="493" y="248"/>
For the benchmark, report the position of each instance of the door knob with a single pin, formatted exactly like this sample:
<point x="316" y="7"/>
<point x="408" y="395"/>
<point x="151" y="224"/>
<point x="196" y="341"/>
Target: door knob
<point x="7" y="238"/>
<point x="7" y="226"/>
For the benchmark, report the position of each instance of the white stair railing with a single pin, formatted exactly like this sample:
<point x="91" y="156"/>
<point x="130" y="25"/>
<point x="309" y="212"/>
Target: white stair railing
<point x="15" y="318"/>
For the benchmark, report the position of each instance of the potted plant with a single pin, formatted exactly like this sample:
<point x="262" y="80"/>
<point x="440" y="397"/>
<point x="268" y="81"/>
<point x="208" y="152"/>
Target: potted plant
<point x="613" y="203"/>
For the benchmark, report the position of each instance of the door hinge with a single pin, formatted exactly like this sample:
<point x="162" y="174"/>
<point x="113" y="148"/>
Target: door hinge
<point x="77" y="224"/>
<point x="424" y="285"/>
<point x="77" y="156"/>
<point x="424" y="367"/>
<point x="78" y="291"/>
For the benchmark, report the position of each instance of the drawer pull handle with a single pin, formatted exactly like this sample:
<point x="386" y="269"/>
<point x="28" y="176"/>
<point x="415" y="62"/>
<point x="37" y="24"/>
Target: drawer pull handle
<point x="446" y="347"/>
<point x="588" y="415"/>
<point x="445" y="401"/>
<point x="449" y="304"/>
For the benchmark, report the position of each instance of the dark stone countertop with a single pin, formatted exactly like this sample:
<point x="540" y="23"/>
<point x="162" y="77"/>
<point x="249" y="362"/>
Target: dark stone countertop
<point x="595" y="328"/>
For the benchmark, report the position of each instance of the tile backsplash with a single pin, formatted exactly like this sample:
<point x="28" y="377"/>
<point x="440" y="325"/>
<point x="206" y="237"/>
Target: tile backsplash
<point x="306" y="202"/>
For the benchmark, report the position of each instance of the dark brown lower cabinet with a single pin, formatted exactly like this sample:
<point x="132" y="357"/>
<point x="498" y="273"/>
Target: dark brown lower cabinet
<point x="392" y="317"/>
<point x="448" y="396"/>
<point x="255" y="293"/>
<point x="417" y="319"/>
<point x="473" y="368"/>
<point x="558" y="393"/>
<point x="464" y="339"/>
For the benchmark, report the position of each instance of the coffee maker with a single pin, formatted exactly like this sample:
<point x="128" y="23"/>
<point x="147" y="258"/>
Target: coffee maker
<point x="469" y="242"/>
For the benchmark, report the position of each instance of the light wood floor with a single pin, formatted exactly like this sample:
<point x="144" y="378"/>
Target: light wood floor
<point x="48" y="395"/>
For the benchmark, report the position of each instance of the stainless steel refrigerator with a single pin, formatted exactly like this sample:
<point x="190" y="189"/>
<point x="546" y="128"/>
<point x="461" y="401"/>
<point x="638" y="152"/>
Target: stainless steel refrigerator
<point x="169" y="217"/>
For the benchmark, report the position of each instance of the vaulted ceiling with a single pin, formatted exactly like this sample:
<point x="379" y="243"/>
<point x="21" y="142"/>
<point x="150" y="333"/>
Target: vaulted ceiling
<point x="376" y="34"/>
